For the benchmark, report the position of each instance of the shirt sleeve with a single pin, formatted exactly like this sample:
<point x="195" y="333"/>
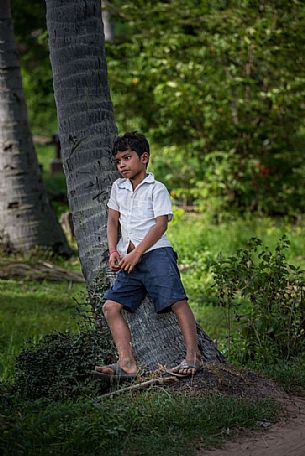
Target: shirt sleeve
<point x="112" y="203"/>
<point x="162" y="204"/>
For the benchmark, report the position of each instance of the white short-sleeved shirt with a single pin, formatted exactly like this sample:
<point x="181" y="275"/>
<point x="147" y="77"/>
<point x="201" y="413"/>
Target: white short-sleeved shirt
<point x="138" y="210"/>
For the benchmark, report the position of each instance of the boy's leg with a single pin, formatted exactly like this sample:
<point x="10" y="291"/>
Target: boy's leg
<point x="187" y="324"/>
<point x="121" y="336"/>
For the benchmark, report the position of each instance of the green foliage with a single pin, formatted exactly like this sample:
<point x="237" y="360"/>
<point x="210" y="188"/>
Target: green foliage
<point x="160" y="420"/>
<point x="217" y="86"/>
<point x="265" y="295"/>
<point x="58" y="366"/>
<point x="169" y="423"/>
<point x="290" y="374"/>
<point x="220" y="86"/>
<point x="198" y="242"/>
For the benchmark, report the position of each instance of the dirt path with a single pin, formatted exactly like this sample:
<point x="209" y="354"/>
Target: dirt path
<point x="286" y="438"/>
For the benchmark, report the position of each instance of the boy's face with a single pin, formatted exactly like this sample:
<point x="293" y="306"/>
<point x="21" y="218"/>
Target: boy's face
<point x="129" y="164"/>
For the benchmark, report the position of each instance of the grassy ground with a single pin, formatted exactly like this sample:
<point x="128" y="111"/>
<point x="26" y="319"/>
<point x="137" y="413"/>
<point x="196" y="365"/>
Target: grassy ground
<point x="168" y="423"/>
<point x="198" y="243"/>
<point x="153" y="421"/>
<point x="31" y="310"/>
<point x="133" y="425"/>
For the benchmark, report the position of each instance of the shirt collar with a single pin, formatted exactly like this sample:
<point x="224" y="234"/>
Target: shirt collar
<point x="125" y="183"/>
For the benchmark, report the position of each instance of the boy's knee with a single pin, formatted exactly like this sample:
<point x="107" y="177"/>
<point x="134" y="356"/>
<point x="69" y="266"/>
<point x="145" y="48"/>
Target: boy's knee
<point x="111" y="308"/>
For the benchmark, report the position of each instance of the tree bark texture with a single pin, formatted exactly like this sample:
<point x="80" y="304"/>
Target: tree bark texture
<point x="26" y="218"/>
<point x="86" y="130"/>
<point x="85" y="121"/>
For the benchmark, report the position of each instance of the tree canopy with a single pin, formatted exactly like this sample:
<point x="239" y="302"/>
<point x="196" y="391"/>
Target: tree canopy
<point x="217" y="86"/>
<point x="220" y="86"/>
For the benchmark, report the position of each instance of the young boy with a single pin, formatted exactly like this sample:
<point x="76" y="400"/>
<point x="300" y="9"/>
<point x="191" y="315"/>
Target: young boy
<point x="143" y="256"/>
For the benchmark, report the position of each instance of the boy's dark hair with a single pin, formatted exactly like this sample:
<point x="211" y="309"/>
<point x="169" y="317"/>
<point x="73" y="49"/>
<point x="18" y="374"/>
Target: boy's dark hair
<point x="131" y="140"/>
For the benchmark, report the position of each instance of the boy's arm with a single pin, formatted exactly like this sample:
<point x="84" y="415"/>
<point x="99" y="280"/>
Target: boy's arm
<point x="112" y="237"/>
<point x="153" y="235"/>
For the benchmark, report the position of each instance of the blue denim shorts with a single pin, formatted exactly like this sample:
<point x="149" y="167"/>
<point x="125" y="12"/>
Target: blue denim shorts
<point x="157" y="275"/>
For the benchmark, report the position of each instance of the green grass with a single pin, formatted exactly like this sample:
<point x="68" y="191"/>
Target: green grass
<point x="198" y="242"/>
<point x="154" y="421"/>
<point x="160" y="420"/>
<point x="31" y="310"/>
<point x="290" y="374"/>
<point x="195" y="233"/>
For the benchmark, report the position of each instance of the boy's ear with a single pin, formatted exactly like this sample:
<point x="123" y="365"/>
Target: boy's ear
<point x="145" y="157"/>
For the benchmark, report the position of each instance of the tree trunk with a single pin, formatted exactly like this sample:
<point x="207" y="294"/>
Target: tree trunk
<point x="26" y="218"/>
<point x="108" y="25"/>
<point x="86" y="130"/>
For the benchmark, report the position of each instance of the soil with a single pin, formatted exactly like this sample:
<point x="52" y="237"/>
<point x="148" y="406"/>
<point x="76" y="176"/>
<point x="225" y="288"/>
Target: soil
<point x="226" y="379"/>
<point x="285" y="438"/>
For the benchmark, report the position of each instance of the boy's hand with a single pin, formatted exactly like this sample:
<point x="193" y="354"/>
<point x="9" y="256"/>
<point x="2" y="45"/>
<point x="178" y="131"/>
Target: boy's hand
<point x="130" y="260"/>
<point x="114" y="261"/>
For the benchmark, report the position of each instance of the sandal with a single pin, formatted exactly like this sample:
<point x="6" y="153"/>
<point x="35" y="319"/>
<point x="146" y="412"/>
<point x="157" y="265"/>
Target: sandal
<point x="185" y="365"/>
<point x="117" y="373"/>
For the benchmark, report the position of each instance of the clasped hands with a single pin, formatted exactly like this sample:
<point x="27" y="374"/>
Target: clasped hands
<point x="128" y="262"/>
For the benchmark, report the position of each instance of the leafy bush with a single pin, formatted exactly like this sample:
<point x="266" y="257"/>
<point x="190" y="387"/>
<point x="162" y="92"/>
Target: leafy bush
<point x="59" y="365"/>
<point x="218" y="86"/>
<point x="265" y="295"/>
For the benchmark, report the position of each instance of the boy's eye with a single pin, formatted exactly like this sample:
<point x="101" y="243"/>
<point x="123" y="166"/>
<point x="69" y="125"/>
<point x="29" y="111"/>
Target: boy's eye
<point x="127" y="157"/>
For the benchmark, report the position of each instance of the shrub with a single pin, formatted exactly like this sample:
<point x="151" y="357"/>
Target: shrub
<point x="59" y="365"/>
<point x="265" y="295"/>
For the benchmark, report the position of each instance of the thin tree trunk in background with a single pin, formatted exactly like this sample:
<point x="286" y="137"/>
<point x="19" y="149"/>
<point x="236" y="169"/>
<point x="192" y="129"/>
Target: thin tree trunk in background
<point x="108" y="25"/>
<point x="26" y="218"/>
<point x="86" y="130"/>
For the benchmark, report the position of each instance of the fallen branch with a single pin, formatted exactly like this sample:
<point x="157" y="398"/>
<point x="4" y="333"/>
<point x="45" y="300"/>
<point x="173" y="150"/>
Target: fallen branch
<point x="143" y="385"/>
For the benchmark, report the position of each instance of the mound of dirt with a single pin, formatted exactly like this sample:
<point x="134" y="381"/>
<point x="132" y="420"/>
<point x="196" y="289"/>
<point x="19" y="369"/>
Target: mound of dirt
<point x="227" y="379"/>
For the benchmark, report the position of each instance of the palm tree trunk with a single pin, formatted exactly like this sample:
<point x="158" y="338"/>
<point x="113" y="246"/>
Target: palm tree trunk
<point x="26" y="218"/>
<point x="85" y="120"/>
<point x="86" y="130"/>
